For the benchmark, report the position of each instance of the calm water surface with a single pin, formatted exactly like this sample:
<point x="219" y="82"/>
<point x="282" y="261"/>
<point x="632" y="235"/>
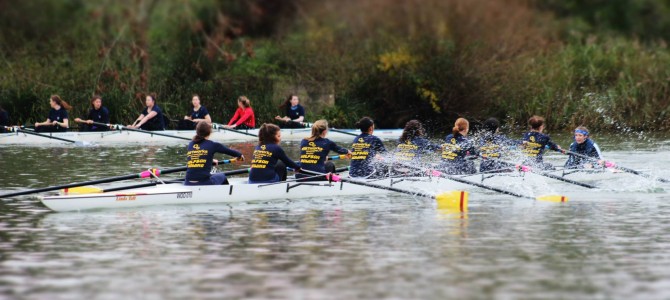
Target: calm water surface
<point x="609" y="243"/>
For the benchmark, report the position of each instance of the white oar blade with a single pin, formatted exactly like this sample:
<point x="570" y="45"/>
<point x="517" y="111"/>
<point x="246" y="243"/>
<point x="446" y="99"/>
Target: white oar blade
<point x="453" y="201"/>
<point x="552" y="198"/>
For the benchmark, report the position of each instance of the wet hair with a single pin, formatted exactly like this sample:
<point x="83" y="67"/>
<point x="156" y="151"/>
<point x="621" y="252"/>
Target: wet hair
<point x="364" y="124"/>
<point x="61" y="102"/>
<point x="244" y="100"/>
<point x="287" y="102"/>
<point x="317" y="129"/>
<point x="491" y="125"/>
<point x="202" y="130"/>
<point x="413" y="128"/>
<point x="95" y="97"/>
<point x="267" y="133"/>
<point x="460" y="125"/>
<point x="535" y="122"/>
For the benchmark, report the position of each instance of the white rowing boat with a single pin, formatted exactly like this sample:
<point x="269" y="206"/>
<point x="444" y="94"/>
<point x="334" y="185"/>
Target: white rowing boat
<point x="122" y="137"/>
<point x="237" y="192"/>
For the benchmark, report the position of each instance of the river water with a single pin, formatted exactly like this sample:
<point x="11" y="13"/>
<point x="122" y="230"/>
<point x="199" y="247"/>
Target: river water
<point x="609" y="243"/>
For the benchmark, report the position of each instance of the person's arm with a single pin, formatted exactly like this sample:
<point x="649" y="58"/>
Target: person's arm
<point x="220" y="148"/>
<point x="281" y="155"/>
<point x="207" y="119"/>
<point x="235" y="116"/>
<point x="334" y="147"/>
<point x="47" y="122"/>
<point x="64" y="124"/>
<point x="134" y="125"/>
<point x="146" y="118"/>
<point x="247" y="114"/>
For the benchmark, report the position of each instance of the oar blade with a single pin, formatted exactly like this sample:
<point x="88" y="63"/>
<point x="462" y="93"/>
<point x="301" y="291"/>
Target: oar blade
<point x="552" y="198"/>
<point x="452" y="201"/>
<point x="87" y="189"/>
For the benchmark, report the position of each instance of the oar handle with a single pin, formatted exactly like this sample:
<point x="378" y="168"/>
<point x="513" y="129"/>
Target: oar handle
<point x="337" y="157"/>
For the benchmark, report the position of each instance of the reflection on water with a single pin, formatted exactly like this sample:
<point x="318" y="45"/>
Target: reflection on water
<point x="608" y="243"/>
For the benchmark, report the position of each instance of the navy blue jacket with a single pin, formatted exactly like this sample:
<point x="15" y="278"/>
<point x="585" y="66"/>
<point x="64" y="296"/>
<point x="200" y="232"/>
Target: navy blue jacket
<point x="58" y="115"/>
<point x="456" y="148"/>
<point x="200" y="158"/>
<point x="413" y="149"/>
<point x="295" y="113"/>
<point x="588" y="148"/>
<point x="99" y="116"/>
<point x="264" y="161"/>
<point x="313" y="154"/>
<point x="157" y="121"/>
<point x="537" y="142"/>
<point x="200" y="113"/>
<point x="363" y="151"/>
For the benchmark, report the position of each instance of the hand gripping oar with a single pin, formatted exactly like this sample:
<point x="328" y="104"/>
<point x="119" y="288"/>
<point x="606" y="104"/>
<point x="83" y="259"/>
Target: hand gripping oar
<point x="453" y="200"/>
<point x="609" y="164"/>
<point x="77" y="143"/>
<point x="550" y="198"/>
<point x="522" y="168"/>
<point x="144" y="174"/>
<point x="220" y="126"/>
<point x="121" y="127"/>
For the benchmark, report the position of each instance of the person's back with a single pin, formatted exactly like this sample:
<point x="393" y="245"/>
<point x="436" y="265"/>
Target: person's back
<point x="365" y="149"/>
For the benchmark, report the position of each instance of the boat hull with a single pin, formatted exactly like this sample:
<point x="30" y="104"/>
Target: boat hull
<point x="121" y="137"/>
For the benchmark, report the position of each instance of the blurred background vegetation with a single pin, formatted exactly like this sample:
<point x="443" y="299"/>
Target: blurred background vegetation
<point x="602" y="63"/>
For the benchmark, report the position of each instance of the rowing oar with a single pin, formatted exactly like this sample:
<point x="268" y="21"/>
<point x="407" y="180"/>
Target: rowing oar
<point x="77" y="143"/>
<point x="523" y="168"/>
<point x="337" y="157"/>
<point x="121" y="127"/>
<point x="609" y="164"/>
<point x="550" y="198"/>
<point x="342" y="131"/>
<point x="92" y="189"/>
<point x="143" y="174"/>
<point x="453" y="200"/>
<point x="220" y="126"/>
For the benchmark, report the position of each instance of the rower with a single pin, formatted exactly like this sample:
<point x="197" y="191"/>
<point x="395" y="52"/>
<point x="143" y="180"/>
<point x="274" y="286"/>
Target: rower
<point x="266" y="164"/>
<point x="97" y="114"/>
<point x="58" y="118"/>
<point x="314" y="151"/>
<point x="535" y="142"/>
<point x="200" y="155"/>
<point x="294" y="113"/>
<point x="585" y="146"/>
<point x="151" y="117"/>
<point x="457" y="147"/>
<point x="411" y="146"/>
<point x="198" y="114"/>
<point x="365" y="149"/>
<point x="492" y="146"/>
<point x="244" y="115"/>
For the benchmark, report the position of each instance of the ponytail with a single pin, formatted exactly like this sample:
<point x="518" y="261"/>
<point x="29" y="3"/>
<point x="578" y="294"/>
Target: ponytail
<point x="57" y="99"/>
<point x="267" y="133"/>
<point x="317" y="129"/>
<point x="245" y="101"/>
<point x="202" y="131"/>
<point x="460" y="125"/>
<point x="535" y="122"/>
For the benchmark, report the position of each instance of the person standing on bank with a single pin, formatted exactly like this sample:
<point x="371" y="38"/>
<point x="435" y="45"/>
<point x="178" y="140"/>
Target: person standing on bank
<point x="97" y="114"/>
<point x="198" y="114"/>
<point x="151" y="117"/>
<point x="200" y="155"/>
<point x="58" y="117"/>
<point x="294" y="113"/>
<point x="244" y="116"/>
